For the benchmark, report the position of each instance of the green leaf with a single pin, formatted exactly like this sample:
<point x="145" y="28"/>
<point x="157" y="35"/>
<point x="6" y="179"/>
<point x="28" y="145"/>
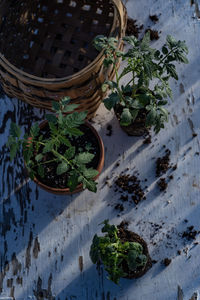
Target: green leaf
<point x="39" y="157"/>
<point x="51" y="118"/>
<point x="41" y="171"/>
<point x="55" y="106"/>
<point x="62" y="168"/>
<point x="70" y="108"/>
<point x="13" y="150"/>
<point x="151" y="117"/>
<point x="69" y="153"/>
<point x="65" y="101"/>
<point x="84" y="158"/>
<point x="75" y="119"/>
<point x="15" y="130"/>
<point x="90" y="185"/>
<point x="164" y="113"/>
<point x="134" y="114"/>
<point x="131" y="40"/>
<point x="72" y="181"/>
<point x="90" y="173"/>
<point x="171" y="69"/>
<point x="48" y="146"/>
<point x="64" y="140"/>
<point x="126" y="117"/>
<point x="74" y="131"/>
<point x="111" y="101"/>
<point x="164" y="50"/>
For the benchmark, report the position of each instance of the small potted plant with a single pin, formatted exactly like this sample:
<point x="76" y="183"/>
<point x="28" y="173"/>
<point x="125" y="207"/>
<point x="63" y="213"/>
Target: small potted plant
<point x="139" y="104"/>
<point x="63" y="154"/>
<point x="122" y="252"/>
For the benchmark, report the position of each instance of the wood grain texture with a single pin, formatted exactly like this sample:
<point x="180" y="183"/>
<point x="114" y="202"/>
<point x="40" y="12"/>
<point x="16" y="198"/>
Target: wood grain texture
<point x="45" y="239"/>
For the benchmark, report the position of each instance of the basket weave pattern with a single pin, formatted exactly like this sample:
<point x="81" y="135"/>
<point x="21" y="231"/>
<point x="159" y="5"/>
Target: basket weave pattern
<point x="47" y="52"/>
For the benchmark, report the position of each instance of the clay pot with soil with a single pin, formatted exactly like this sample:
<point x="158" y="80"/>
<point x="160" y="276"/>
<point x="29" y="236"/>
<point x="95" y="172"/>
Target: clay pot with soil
<point x="64" y="154"/>
<point x="123" y="253"/>
<point x="139" y="103"/>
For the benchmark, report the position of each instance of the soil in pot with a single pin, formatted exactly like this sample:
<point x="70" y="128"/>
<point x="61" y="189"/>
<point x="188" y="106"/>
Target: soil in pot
<point x="126" y="235"/>
<point x="137" y="128"/>
<point x="87" y="142"/>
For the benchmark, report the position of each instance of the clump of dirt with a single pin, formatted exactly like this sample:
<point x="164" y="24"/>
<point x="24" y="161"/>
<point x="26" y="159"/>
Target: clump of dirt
<point x="154" y="18"/>
<point x="154" y="35"/>
<point x="132" y="28"/>
<point x="162" y="163"/>
<point x="167" y="261"/>
<point x="109" y="130"/>
<point x="119" y="207"/>
<point x="162" y="184"/>
<point x="190" y="233"/>
<point x="131" y="185"/>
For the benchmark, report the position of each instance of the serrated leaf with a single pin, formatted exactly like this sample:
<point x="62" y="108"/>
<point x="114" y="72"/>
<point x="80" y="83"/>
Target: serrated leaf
<point x="74" y="131"/>
<point x="70" y="108"/>
<point x="55" y="106"/>
<point x="39" y="157"/>
<point x="13" y="150"/>
<point x="84" y="158"/>
<point x="75" y="119"/>
<point x="15" y="130"/>
<point x="62" y="168"/>
<point x="51" y="118"/>
<point x="111" y="101"/>
<point x="64" y="140"/>
<point x="69" y="154"/>
<point x="90" y="173"/>
<point x="48" y="146"/>
<point x="134" y="114"/>
<point x="126" y="117"/>
<point x="90" y="185"/>
<point x="41" y="171"/>
<point x="151" y="117"/>
<point x="65" y="101"/>
<point x="164" y="113"/>
<point x="72" y="181"/>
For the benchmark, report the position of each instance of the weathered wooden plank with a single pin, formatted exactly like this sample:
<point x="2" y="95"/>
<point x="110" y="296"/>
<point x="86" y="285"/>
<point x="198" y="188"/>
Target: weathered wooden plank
<point x="45" y="239"/>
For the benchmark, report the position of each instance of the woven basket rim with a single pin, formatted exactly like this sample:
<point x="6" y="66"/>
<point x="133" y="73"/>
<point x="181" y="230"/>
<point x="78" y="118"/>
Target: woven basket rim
<point x="19" y="73"/>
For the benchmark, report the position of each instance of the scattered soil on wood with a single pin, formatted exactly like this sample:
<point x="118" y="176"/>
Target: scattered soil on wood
<point x="154" y="18"/>
<point x="132" y="28"/>
<point x="80" y="143"/>
<point x="190" y="233"/>
<point x="162" y="184"/>
<point x="131" y="185"/>
<point x="109" y="130"/>
<point x="162" y="163"/>
<point x="154" y="35"/>
<point x="167" y="262"/>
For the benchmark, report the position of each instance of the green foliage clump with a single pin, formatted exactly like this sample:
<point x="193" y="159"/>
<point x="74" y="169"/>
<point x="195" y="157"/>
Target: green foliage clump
<point x="62" y="126"/>
<point x="149" y="71"/>
<point x="109" y="250"/>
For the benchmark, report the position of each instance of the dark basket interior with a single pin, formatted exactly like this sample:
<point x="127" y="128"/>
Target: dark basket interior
<point x="53" y="38"/>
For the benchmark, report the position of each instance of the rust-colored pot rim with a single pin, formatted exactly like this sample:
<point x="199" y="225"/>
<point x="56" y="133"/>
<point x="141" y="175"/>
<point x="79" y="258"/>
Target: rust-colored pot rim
<point x="79" y="188"/>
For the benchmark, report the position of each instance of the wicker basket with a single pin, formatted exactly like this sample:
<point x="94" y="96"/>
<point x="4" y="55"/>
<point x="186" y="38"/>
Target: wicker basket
<point x="46" y="50"/>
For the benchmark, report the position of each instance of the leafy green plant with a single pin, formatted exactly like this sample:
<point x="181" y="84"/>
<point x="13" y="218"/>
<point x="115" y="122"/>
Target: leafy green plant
<point x="148" y="71"/>
<point x="62" y="128"/>
<point x="109" y="250"/>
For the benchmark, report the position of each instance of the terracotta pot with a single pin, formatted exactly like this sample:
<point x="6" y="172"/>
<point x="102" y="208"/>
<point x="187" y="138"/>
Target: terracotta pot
<point x="79" y="188"/>
<point x="137" y="128"/>
<point x="124" y="235"/>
